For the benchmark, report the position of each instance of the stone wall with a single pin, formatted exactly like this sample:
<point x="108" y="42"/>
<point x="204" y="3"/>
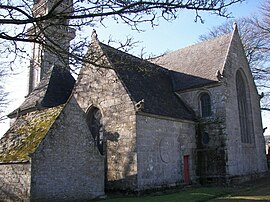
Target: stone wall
<point x="232" y="157"/>
<point x="15" y="182"/>
<point x="243" y="158"/>
<point x="100" y="87"/>
<point x="162" y="144"/>
<point x="216" y="92"/>
<point x="210" y="136"/>
<point x="67" y="164"/>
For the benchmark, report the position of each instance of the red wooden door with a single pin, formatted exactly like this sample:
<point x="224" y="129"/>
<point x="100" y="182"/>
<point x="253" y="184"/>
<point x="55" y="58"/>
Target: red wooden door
<point x="186" y="170"/>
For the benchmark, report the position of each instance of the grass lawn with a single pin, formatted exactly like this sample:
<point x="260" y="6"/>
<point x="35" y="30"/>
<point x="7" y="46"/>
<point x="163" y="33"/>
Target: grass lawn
<point x="258" y="190"/>
<point x="190" y="194"/>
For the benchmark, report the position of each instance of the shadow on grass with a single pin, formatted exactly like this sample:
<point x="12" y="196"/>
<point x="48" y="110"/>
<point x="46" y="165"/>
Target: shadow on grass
<point x="193" y="194"/>
<point x="257" y="190"/>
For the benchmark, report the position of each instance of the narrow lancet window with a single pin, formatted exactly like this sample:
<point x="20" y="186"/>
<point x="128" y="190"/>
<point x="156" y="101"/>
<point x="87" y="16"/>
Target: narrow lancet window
<point x="243" y="109"/>
<point x="96" y="127"/>
<point x="205" y="104"/>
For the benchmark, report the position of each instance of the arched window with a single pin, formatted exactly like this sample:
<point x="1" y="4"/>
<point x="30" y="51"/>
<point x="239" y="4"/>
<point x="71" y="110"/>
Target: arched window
<point x="205" y="104"/>
<point x="205" y="138"/>
<point x="243" y="108"/>
<point x="95" y="124"/>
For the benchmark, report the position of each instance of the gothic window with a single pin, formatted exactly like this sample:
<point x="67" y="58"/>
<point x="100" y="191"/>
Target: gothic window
<point x="96" y="127"/>
<point x="243" y="108"/>
<point x="205" y="104"/>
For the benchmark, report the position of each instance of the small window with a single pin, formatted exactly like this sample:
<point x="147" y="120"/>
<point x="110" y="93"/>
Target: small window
<point x="205" y="104"/>
<point x="205" y="138"/>
<point x="96" y="127"/>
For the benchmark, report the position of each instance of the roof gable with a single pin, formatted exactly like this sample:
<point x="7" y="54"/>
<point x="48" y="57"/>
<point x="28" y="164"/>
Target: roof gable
<point x="147" y="83"/>
<point x="201" y="63"/>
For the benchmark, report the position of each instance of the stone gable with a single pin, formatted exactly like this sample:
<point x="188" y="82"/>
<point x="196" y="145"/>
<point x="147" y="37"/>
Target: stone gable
<point x="243" y="159"/>
<point x="101" y="88"/>
<point x="67" y="164"/>
<point x="133" y="125"/>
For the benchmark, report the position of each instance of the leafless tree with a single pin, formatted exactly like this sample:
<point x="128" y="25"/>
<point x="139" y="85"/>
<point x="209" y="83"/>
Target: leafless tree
<point x="263" y="25"/>
<point x="18" y="20"/>
<point x="255" y="35"/>
<point x="28" y="22"/>
<point x="248" y="33"/>
<point x="3" y="95"/>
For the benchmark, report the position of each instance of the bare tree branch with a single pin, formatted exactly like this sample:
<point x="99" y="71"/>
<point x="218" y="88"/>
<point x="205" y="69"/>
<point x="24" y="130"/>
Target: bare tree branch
<point x="3" y="94"/>
<point x="255" y="35"/>
<point x="37" y="22"/>
<point x="19" y="18"/>
<point x="265" y="109"/>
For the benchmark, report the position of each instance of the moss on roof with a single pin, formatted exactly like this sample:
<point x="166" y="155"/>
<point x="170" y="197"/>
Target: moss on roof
<point x="25" y="134"/>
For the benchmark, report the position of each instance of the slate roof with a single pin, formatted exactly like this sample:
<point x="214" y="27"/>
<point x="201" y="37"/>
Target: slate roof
<point x="181" y="81"/>
<point x="24" y="136"/>
<point x="54" y="89"/>
<point x="149" y="82"/>
<point x="196" y="65"/>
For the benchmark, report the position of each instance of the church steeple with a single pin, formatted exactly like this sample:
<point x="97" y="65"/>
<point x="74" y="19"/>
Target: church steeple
<point x="53" y="36"/>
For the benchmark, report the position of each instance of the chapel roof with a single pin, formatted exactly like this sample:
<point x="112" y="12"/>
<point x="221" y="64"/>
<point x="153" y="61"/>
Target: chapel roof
<point x="197" y="65"/>
<point x="147" y="82"/>
<point x="26" y="133"/>
<point x="54" y="89"/>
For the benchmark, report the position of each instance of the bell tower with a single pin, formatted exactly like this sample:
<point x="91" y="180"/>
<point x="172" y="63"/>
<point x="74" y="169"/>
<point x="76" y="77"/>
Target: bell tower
<point x="52" y="38"/>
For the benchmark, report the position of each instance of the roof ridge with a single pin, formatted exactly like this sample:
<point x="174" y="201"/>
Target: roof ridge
<point x="122" y="51"/>
<point x="199" y="43"/>
<point x="199" y="61"/>
<point x="158" y="67"/>
<point x="153" y="79"/>
<point x="232" y="34"/>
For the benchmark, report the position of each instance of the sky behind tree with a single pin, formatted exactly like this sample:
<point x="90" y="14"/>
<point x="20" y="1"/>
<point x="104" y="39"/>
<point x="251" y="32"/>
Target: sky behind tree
<point x="167" y="36"/>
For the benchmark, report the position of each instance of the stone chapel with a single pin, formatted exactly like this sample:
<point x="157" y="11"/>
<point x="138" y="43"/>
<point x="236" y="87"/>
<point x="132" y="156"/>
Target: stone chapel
<point x="189" y="116"/>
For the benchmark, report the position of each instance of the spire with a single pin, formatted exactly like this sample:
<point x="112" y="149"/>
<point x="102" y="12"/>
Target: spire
<point x="235" y="27"/>
<point x="235" y="32"/>
<point x="94" y="36"/>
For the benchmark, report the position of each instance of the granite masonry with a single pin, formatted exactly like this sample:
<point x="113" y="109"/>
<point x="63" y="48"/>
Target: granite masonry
<point x="62" y="164"/>
<point x="189" y="116"/>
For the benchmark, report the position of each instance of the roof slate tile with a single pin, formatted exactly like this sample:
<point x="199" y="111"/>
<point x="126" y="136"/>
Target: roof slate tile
<point x="198" y="64"/>
<point x="148" y="82"/>
<point x="54" y="89"/>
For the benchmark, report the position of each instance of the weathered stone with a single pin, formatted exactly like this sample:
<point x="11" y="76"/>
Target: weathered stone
<point x="67" y="165"/>
<point x="15" y="181"/>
